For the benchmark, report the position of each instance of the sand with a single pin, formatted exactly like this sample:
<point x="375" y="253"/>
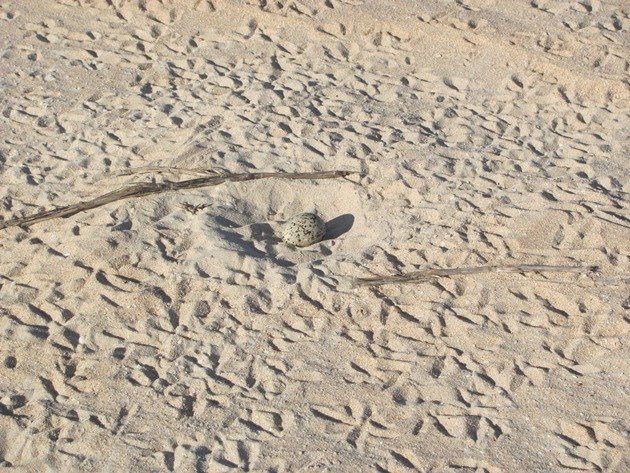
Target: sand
<point x="177" y="332"/>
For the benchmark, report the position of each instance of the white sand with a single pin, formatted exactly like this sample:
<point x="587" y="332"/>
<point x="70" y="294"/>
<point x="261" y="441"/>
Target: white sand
<point x="177" y="333"/>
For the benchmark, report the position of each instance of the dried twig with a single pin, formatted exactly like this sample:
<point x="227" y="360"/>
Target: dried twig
<point x="169" y="170"/>
<point x="148" y="188"/>
<point x="427" y="274"/>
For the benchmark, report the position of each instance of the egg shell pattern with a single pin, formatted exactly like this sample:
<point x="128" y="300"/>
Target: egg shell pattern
<point x="304" y="230"/>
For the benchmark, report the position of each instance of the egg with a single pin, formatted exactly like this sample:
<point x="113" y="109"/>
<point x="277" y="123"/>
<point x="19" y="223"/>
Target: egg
<point x="304" y="230"/>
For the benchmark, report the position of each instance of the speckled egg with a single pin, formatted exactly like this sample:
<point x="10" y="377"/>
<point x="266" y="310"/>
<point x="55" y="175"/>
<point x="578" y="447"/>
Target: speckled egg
<point x="304" y="230"/>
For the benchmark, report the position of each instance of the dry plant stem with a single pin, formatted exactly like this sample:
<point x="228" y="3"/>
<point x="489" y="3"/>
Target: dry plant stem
<point x="149" y="188"/>
<point x="424" y="275"/>
<point x="169" y="170"/>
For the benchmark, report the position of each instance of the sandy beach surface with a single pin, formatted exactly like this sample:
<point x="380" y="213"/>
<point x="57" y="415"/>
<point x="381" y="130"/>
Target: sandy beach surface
<point x="177" y="332"/>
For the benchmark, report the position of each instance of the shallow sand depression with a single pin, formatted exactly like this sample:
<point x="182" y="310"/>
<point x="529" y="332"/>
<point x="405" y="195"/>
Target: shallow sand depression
<point x="178" y="332"/>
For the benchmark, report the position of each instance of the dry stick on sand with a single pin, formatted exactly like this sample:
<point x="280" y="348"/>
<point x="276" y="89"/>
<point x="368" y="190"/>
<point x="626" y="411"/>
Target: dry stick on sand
<point x="148" y="188"/>
<point x="172" y="170"/>
<point x="427" y="274"/>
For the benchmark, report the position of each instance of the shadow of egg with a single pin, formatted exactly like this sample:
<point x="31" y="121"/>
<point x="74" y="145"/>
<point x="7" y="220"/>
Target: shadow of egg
<point x="338" y="226"/>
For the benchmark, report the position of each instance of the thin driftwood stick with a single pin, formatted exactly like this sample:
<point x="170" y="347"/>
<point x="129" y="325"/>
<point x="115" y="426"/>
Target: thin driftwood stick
<point x="169" y="170"/>
<point x="427" y="274"/>
<point x="148" y="188"/>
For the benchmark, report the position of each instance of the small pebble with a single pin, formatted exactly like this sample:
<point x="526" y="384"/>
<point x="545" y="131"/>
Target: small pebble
<point x="304" y="230"/>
